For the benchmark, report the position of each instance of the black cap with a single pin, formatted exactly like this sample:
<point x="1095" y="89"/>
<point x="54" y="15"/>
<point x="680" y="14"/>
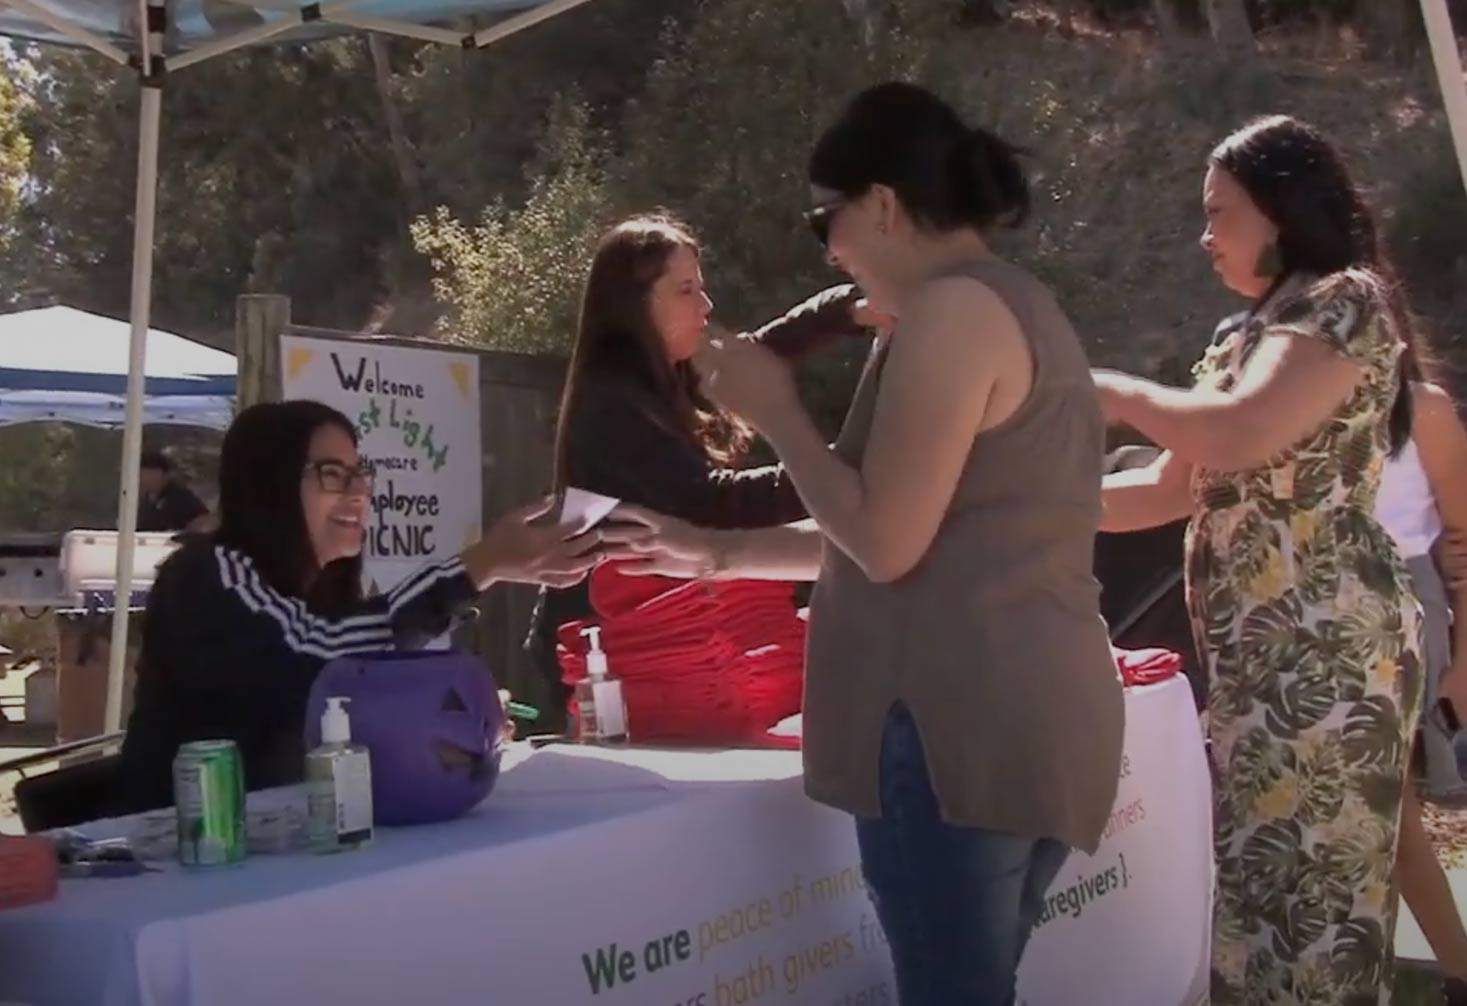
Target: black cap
<point x="156" y="460"/>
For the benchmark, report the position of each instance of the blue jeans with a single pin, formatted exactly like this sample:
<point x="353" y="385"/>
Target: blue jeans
<point x="957" y="904"/>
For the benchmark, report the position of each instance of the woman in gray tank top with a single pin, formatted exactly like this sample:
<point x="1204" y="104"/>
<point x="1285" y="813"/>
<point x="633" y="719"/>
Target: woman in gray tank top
<point x="961" y="699"/>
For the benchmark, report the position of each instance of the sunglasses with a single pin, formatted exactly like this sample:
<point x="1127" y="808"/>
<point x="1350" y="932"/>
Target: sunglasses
<point x="820" y="219"/>
<point x="335" y="477"/>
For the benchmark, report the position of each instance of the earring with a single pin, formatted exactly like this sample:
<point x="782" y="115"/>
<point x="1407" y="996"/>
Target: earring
<point x="1270" y="262"/>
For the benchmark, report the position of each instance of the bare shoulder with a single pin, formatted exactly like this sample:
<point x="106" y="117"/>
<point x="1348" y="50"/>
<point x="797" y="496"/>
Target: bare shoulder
<point x="1435" y="411"/>
<point x="961" y="310"/>
<point x="1428" y="396"/>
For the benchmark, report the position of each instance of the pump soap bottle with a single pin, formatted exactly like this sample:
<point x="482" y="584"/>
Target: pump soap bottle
<point x="600" y="705"/>
<point x="338" y="785"/>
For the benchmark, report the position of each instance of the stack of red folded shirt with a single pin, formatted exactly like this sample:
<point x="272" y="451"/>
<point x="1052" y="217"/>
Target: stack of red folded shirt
<point x="710" y="663"/>
<point x="722" y="662"/>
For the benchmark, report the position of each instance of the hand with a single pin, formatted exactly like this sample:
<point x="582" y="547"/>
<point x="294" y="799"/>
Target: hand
<point x="1111" y="387"/>
<point x="506" y="723"/>
<point x="746" y="378"/>
<point x="1453" y="686"/>
<point x="644" y="543"/>
<point x="1450" y="552"/>
<point x="521" y="548"/>
<point x="870" y="317"/>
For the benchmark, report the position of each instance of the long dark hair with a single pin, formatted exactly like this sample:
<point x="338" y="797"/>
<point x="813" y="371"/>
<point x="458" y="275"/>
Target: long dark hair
<point x="946" y="174"/>
<point x="617" y="339"/>
<point x="261" y="464"/>
<point x="1299" y="180"/>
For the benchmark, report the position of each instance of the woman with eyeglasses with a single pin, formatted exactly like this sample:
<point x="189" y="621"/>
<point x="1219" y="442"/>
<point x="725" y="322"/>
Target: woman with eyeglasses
<point x="239" y="623"/>
<point x="961" y="700"/>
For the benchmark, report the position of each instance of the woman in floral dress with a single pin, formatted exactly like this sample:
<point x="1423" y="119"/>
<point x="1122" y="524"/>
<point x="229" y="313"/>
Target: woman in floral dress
<point x="1303" y="609"/>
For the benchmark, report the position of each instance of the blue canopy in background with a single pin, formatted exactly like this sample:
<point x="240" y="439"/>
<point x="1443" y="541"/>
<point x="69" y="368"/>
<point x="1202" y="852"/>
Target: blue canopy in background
<point x="62" y="364"/>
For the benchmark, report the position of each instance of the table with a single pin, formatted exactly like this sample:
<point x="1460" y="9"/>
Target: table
<point x="638" y="876"/>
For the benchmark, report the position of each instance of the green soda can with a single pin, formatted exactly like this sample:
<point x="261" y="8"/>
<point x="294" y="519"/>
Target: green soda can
<point x="209" y="793"/>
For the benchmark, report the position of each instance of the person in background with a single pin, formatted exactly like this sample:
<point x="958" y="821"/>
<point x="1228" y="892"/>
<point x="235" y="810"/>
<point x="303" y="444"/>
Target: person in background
<point x="1423" y="495"/>
<point x="239" y="622"/>
<point x="1303" y="609"/>
<point x="164" y="502"/>
<point x="1423" y="504"/>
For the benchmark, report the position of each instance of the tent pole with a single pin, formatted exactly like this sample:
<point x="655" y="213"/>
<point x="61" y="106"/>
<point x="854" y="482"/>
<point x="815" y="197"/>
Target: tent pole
<point x="280" y="24"/>
<point x="69" y="29"/>
<point x="401" y="29"/>
<point x="144" y="218"/>
<point x="520" y="22"/>
<point x="1448" y="60"/>
<point x="250" y="36"/>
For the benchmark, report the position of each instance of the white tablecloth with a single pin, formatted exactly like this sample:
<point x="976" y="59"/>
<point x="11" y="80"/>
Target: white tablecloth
<point x="628" y="877"/>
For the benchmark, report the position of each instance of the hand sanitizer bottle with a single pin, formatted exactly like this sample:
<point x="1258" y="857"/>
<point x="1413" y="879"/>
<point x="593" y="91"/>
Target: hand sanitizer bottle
<point x="600" y="706"/>
<point x="338" y="785"/>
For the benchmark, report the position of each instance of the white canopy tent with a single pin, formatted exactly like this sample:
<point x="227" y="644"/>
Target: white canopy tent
<point x="65" y="365"/>
<point x="157" y="38"/>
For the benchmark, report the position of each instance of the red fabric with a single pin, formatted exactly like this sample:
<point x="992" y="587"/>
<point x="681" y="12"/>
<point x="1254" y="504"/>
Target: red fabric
<point x="1146" y="667"/>
<point x="709" y="663"/>
<point x="613" y="594"/>
<point x="722" y="663"/>
<point x="28" y="871"/>
<point x="785" y="741"/>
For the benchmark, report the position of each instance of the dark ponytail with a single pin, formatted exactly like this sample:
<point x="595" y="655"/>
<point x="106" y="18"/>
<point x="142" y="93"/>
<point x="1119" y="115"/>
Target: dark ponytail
<point x="946" y="175"/>
<point x="990" y="180"/>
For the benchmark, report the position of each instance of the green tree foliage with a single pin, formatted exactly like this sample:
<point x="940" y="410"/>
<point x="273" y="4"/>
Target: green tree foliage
<point x="298" y="200"/>
<point x="15" y="146"/>
<point x="511" y="280"/>
<point x="31" y="482"/>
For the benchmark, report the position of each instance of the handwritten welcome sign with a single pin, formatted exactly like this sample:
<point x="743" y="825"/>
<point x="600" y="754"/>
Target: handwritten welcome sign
<point x="416" y="412"/>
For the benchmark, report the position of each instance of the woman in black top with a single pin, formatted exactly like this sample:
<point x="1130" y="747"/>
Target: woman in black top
<point x="238" y="624"/>
<point x="634" y="422"/>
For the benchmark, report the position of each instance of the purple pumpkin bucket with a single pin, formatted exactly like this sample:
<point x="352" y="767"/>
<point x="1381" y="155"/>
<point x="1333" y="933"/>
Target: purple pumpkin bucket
<point x="431" y="721"/>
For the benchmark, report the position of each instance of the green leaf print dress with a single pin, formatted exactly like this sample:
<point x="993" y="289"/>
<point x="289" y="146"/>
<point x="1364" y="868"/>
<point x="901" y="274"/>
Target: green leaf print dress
<point x="1312" y="637"/>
